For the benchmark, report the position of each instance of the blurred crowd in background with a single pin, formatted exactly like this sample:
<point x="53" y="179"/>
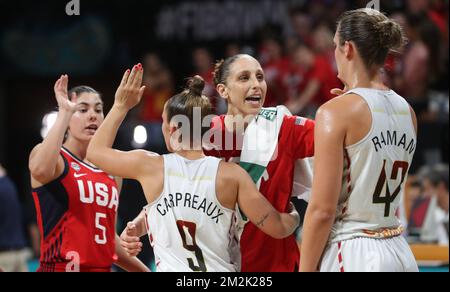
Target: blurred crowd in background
<point x="293" y="40"/>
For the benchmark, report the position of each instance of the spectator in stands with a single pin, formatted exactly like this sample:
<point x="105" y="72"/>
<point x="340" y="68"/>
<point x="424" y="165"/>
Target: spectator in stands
<point x="159" y="88"/>
<point x="232" y="49"/>
<point x="275" y="66"/>
<point x="302" y="26"/>
<point x="204" y="66"/>
<point x="203" y="63"/>
<point x="323" y="44"/>
<point x="435" y="185"/>
<point x="319" y="79"/>
<point x="420" y="65"/>
<point x="12" y="239"/>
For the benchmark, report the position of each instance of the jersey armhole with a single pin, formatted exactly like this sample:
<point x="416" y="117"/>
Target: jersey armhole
<point x="372" y="126"/>
<point x="66" y="168"/>
<point x="59" y="178"/>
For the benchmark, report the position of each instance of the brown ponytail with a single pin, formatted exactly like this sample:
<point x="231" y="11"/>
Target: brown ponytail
<point x="374" y="34"/>
<point x="184" y="104"/>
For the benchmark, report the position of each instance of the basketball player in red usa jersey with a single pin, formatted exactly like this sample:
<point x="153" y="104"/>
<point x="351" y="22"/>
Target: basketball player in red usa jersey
<point x="76" y="203"/>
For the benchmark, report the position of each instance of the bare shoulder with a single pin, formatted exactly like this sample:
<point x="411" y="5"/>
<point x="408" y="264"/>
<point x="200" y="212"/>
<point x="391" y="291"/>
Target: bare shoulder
<point x="227" y="183"/>
<point x="346" y="103"/>
<point x="225" y="170"/>
<point x="148" y="158"/>
<point x="345" y="108"/>
<point x="149" y="154"/>
<point x="230" y="174"/>
<point x="230" y="170"/>
<point x="34" y="150"/>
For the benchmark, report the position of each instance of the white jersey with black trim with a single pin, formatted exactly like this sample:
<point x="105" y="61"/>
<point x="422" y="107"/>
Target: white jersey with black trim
<point x="188" y="227"/>
<point x="375" y="170"/>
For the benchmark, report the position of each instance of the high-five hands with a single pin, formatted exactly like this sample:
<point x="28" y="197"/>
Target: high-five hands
<point x="130" y="91"/>
<point x="61" y="95"/>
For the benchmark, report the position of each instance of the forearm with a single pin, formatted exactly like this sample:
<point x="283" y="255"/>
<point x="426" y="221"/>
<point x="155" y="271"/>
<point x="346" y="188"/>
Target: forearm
<point x="316" y="231"/>
<point x="104" y="138"/>
<point x="128" y="263"/>
<point x="35" y="239"/>
<point x="289" y="222"/>
<point x="278" y="225"/>
<point x="139" y="221"/>
<point x="47" y="154"/>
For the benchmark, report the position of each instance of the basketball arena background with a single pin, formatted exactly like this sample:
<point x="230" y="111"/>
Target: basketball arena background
<point x="39" y="41"/>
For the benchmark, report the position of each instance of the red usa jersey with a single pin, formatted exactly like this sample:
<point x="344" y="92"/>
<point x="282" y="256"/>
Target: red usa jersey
<point x="261" y="252"/>
<point x="76" y="214"/>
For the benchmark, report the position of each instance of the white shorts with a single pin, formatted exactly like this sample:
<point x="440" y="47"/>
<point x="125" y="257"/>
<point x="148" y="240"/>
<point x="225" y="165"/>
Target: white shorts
<point x="369" y="255"/>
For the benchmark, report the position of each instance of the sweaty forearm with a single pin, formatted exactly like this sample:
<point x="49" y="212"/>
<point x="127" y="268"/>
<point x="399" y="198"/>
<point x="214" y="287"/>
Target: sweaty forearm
<point x="139" y="221"/>
<point x="46" y="156"/>
<point x="106" y="134"/>
<point x="316" y="230"/>
<point x="278" y="225"/>
<point x="128" y="263"/>
<point x="290" y="222"/>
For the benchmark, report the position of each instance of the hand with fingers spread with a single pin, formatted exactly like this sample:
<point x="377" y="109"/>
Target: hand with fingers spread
<point x="130" y="91"/>
<point x="130" y="241"/>
<point x="64" y="103"/>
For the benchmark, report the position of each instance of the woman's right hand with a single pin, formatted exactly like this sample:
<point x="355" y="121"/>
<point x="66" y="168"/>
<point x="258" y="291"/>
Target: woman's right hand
<point x="130" y="90"/>
<point x="130" y="241"/>
<point x="61" y="95"/>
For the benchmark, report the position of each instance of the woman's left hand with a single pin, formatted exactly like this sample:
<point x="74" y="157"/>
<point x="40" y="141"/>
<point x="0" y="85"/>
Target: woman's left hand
<point x="130" y="91"/>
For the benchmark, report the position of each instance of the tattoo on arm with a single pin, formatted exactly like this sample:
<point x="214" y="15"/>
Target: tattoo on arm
<point x="260" y="223"/>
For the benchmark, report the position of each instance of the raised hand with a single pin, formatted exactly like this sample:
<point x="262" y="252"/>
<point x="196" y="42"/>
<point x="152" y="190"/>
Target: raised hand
<point x="129" y="92"/>
<point x="130" y="241"/>
<point x="61" y="95"/>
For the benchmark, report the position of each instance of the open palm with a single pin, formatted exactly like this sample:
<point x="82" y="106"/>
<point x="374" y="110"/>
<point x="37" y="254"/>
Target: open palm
<point x="61" y="94"/>
<point x="130" y="90"/>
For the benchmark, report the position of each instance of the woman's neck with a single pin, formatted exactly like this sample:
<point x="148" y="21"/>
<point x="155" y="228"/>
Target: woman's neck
<point x="363" y="78"/>
<point x="191" y="154"/>
<point x="77" y="148"/>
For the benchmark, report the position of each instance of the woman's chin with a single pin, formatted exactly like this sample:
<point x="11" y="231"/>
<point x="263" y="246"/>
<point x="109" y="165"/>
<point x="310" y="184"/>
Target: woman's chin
<point x="254" y="111"/>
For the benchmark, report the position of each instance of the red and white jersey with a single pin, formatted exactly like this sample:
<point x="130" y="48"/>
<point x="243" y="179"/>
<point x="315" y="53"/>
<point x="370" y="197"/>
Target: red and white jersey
<point x="261" y="252"/>
<point x="375" y="170"/>
<point x="76" y="214"/>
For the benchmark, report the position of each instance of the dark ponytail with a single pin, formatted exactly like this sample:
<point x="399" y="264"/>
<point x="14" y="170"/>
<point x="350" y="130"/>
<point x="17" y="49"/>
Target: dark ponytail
<point x="374" y="34"/>
<point x="195" y="86"/>
<point x="185" y="103"/>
